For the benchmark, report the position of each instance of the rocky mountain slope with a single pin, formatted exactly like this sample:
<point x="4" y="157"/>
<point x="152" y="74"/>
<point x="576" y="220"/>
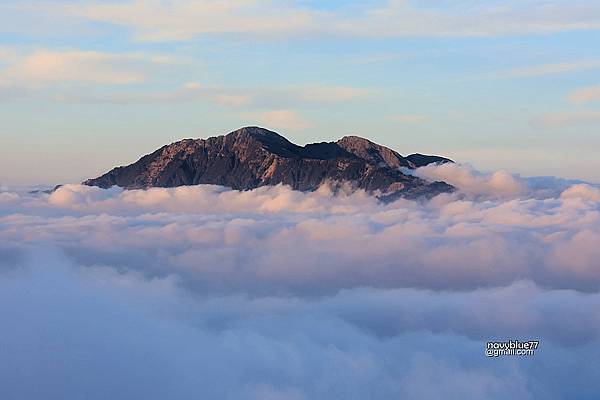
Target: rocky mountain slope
<point x="251" y="157"/>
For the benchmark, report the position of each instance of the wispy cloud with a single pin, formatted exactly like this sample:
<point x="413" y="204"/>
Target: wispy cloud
<point x="44" y="67"/>
<point x="543" y="70"/>
<point x="263" y="97"/>
<point x="585" y="94"/>
<point x="65" y="71"/>
<point x="280" y="119"/>
<point x="189" y="92"/>
<point x="566" y="119"/>
<point x="333" y="94"/>
<point x="456" y="19"/>
<point x="155" y="20"/>
<point x="181" y="20"/>
<point x="408" y="118"/>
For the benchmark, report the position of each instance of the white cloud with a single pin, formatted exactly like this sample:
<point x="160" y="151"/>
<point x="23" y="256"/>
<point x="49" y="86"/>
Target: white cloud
<point x="585" y="95"/>
<point x="499" y="184"/>
<point x="407" y="118"/>
<point x="189" y="92"/>
<point x="330" y="93"/>
<point x="119" y="334"/>
<point x="44" y="67"/>
<point x="545" y="69"/>
<point x="281" y="119"/>
<point x="182" y="20"/>
<point x="495" y="230"/>
<point x="582" y="191"/>
<point x="272" y="293"/>
<point x="566" y="119"/>
<point x="24" y="74"/>
<point x="264" y="97"/>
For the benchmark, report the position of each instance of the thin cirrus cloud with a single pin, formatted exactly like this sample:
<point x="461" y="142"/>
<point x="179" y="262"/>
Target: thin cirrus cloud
<point x="543" y="70"/>
<point x="408" y="118"/>
<point x="333" y="94"/>
<point x="189" y="92"/>
<point x="183" y="20"/>
<point x="263" y="97"/>
<point x="578" y="117"/>
<point x="24" y="73"/>
<point x="46" y="67"/>
<point x="280" y="119"/>
<point x="565" y="119"/>
<point x="585" y="94"/>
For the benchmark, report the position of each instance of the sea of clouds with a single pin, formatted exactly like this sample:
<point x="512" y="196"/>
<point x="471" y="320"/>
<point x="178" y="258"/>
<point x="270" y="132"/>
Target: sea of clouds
<point x="206" y="292"/>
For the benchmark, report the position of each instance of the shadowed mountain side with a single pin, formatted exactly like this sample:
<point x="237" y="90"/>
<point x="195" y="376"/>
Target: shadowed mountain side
<point x="251" y="157"/>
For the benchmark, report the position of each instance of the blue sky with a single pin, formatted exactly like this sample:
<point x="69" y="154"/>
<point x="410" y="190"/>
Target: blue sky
<point x="87" y="85"/>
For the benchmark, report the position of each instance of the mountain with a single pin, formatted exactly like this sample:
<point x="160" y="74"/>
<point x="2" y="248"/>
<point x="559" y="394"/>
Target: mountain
<point x="251" y="157"/>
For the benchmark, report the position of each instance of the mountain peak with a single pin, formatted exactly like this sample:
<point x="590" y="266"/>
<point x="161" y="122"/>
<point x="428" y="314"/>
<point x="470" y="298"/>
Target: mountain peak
<point x="251" y="156"/>
<point x="373" y="152"/>
<point x="355" y="139"/>
<point x="258" y="133"/>
<point x="271" y="141"/>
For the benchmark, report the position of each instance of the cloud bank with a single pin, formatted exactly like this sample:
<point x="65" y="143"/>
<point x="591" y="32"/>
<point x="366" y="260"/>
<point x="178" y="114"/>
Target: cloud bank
<point x="276" y="294"/>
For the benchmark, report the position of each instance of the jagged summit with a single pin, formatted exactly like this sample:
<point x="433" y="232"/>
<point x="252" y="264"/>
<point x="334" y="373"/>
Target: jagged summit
<point x="372" y="152"/>
<point x="252" y="156"/>
<point x="272" y="141"/>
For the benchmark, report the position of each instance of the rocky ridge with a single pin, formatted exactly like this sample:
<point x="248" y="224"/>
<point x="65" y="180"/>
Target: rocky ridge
<point x="251" y="157"/>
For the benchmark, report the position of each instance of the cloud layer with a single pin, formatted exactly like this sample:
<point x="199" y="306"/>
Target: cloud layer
<point x="178" y="20"/>
<point x="275" y="294"/>
<point x="183" y="20"/>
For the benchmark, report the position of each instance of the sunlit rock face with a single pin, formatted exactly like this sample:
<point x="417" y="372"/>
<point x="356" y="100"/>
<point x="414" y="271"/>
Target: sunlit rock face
<point x="252" y="157"/>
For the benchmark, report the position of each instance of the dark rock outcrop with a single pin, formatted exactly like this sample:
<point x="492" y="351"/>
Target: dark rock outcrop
<point x="252" y="157"/>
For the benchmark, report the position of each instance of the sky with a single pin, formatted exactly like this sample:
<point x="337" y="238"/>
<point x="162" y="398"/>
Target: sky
<point x="273" y="294"/>
<point x="89" y="85"/>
